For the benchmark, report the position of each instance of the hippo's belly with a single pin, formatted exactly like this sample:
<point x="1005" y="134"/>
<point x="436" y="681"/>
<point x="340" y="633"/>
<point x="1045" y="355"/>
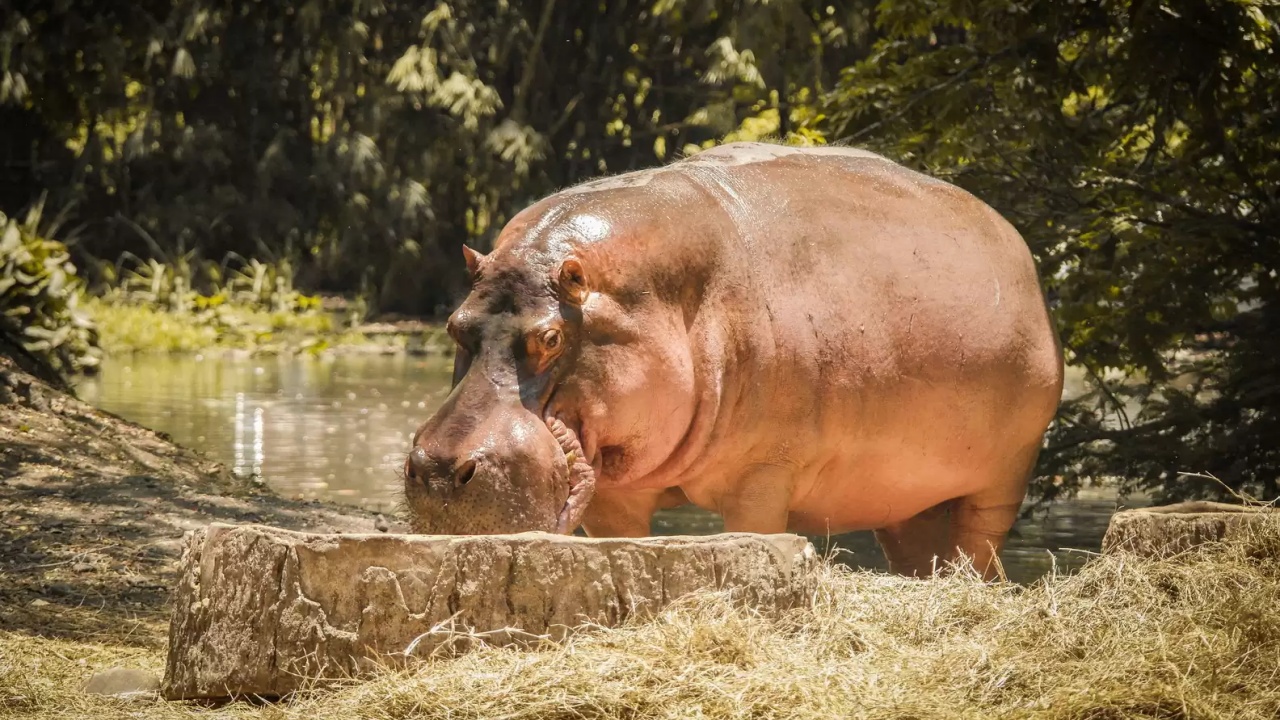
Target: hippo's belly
<point x="884" y="455"/>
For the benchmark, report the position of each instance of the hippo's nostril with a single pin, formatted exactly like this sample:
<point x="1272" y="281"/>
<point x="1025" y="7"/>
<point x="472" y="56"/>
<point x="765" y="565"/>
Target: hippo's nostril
<point x="464" y="473"/>
<point x="416" y="466"/>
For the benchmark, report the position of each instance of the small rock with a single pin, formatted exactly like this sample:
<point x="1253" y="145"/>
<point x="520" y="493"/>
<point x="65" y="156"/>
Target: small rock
<point x="380" y="523"/>
<point x="123" y="682"/>
<point x="39" y="603"/>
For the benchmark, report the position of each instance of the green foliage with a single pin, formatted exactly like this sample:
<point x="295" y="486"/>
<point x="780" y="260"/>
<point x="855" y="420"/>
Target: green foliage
<point x="1136" y="146"/>
<point x="188" y="285"/>
<point x="39" y="297"/>
<point x="374" y="138"/>
<point x="141" y="328"/>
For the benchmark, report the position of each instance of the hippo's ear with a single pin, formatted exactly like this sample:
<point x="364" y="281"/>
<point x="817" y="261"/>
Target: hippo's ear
<point x="473" y="260"/>
<point x="573" y="282"/>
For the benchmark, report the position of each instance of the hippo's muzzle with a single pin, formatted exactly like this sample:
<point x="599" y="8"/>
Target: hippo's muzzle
<point x="512" y="473"/>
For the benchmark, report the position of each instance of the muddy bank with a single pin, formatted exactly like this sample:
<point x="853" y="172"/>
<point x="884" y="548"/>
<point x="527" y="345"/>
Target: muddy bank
<point x="93" y="509"/>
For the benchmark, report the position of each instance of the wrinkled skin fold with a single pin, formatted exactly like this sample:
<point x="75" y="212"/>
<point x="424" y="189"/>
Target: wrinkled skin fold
<point x="582" y="478"/>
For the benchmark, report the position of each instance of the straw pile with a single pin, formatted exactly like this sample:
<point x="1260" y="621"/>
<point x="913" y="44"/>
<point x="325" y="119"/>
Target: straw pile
<point x="1196" y="636"/>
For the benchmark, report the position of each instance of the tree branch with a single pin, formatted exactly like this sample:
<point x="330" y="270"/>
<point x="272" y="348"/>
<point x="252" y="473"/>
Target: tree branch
<point x="531" y="62"/>
<point x="920" y="96"/>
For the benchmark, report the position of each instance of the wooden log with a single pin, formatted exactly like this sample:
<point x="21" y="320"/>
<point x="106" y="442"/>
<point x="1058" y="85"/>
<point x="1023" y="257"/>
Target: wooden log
<point x="264" y="611"/>
<point x="1166" y="530"/>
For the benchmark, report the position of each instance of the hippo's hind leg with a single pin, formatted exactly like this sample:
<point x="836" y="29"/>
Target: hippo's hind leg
<point x="975" y="525"/>
<point x="980" y="522"/>
<point x="912" y="545"/>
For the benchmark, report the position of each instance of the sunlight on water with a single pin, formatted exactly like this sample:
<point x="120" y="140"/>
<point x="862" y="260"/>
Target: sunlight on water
<point x="332" y="429"/>
<point x="338" y="429"/>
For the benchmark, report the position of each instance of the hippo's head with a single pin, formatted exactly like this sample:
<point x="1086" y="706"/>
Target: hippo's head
<point x="566" y="354"/>
<point x="493" y="459"/>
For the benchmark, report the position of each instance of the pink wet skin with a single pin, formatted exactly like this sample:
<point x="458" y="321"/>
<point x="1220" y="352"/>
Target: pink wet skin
<point x="807" y="340"/>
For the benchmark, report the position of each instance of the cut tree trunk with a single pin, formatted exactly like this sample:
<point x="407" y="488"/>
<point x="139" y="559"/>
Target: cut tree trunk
<point x="1171" y="529"/>
<point x="264" y="611"/>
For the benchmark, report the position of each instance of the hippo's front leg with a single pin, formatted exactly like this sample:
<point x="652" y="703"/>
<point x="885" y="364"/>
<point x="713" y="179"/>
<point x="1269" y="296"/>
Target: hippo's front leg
<point x="758" y="501"/>
<point x="628" y="513"/>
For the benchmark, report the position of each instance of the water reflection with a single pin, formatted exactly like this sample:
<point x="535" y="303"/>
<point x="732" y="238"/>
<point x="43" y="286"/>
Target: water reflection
<point x="252" y="467"/>
<point x="338" y="429"/>
<point x="334" y="429"/>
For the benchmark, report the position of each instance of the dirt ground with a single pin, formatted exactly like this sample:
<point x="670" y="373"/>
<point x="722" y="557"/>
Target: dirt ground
<point x="93" y="509"/>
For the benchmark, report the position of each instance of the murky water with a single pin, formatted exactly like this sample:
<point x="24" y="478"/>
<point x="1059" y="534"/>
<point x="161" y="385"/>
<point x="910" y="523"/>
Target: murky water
<point x="337" y="429"/>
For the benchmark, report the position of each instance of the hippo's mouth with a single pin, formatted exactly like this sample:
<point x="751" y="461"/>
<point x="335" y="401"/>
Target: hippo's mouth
<point x="582" y="477"/>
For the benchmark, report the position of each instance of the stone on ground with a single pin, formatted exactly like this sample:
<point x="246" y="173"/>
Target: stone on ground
<point x="1170" y="529"/>
<point x="265" y="611"/>
<point x="123" y="682"/>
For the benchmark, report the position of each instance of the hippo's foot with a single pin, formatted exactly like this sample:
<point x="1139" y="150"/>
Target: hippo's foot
<point x="582" y="477"/>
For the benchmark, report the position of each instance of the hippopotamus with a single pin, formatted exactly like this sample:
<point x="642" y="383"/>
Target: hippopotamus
<point x="801" y="339"/>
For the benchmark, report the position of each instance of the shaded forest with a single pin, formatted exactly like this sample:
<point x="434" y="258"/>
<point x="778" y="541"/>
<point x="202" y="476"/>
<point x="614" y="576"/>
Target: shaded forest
<point x="366" y="141"/>
<point x="353" y="146"/>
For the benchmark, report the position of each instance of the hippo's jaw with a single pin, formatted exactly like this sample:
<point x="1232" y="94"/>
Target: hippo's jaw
<point x="582" y="477"/>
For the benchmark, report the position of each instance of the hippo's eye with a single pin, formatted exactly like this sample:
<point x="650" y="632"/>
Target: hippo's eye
<point x="543" y="347"/>
<point x="551" y="340"/>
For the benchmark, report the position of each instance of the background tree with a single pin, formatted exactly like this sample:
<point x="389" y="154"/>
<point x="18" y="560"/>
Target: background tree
<point x="365" y="141"/>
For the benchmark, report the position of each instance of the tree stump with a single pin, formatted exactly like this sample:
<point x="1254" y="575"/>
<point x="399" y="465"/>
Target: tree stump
<point x="1170" y="529"/>
<point x="265" y="611"/>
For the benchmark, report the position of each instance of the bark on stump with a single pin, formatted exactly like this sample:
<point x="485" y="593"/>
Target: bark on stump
<point x="264" y="611"/>
<point x="1170" y="529"/>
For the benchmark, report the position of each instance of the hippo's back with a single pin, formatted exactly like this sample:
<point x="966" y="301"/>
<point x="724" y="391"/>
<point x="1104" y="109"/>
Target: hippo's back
<point x="847" y="260"/>
<point x="911" y="273"/>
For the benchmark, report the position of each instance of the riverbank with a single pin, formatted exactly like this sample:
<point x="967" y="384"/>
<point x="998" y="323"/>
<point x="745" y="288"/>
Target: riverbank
<point x="126" y="329"/>
<point x="92" y="512"/>
<point x="92" y="509"/>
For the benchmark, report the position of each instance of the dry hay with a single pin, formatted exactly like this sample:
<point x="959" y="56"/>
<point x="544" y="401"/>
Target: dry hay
<point x="1190" y="637"/>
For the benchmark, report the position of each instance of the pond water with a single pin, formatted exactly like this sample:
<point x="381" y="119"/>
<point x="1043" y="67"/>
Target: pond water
<point x="337" y="429"/>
